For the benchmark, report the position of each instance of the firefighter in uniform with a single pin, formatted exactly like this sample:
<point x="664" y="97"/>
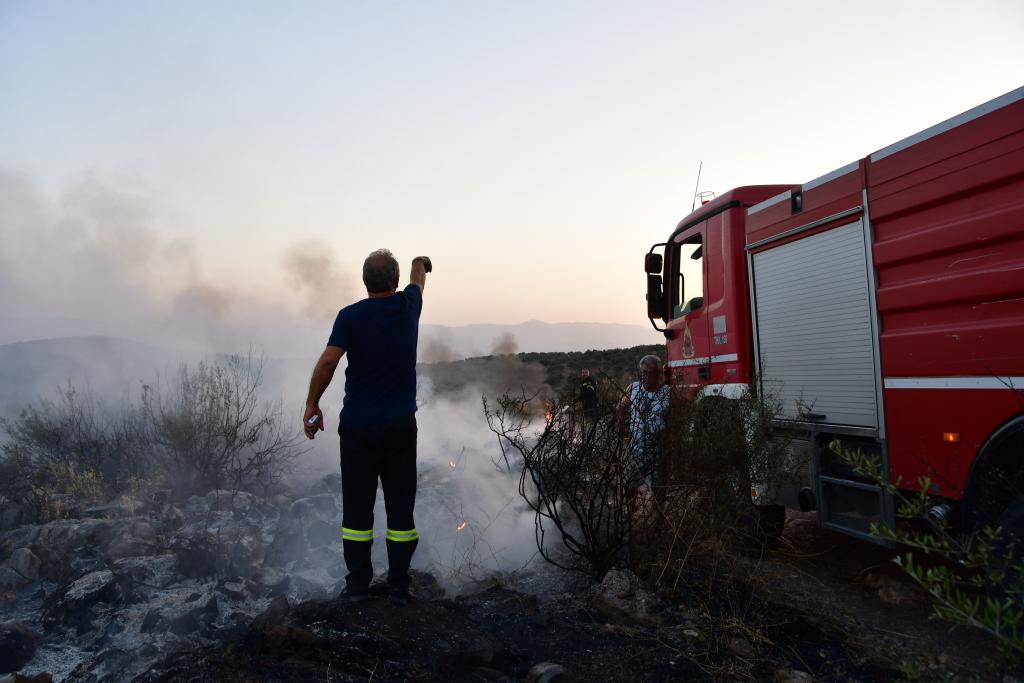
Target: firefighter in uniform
<point x="377" y="427"/>
<point x="588" y="394"/>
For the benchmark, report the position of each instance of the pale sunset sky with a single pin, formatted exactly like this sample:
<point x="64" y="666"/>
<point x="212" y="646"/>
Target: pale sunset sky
<point x="534" y="150"/>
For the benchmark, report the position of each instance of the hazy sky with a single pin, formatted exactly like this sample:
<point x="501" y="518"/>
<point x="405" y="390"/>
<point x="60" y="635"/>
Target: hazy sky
<point x="533" y="150"/>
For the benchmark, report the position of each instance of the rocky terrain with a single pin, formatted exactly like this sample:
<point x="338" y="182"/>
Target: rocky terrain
<point x="230" y="587"/>
<point x="105" y="592"/>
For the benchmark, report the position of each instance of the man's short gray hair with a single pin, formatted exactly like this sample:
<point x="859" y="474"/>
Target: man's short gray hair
<point x="650" y="361"/>
<point x="380" y="271"/>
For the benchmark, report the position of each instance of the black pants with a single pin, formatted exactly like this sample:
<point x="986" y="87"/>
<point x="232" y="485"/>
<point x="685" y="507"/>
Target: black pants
<point x="386" y="452"/>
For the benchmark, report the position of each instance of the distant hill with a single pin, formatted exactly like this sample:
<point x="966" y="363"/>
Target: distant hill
<point x="441" y="343"/>
<point x="107" y="366"/>
<point x="551" y="373"/>
<point x="113" y="367"/>
<point x="301" y="338"/>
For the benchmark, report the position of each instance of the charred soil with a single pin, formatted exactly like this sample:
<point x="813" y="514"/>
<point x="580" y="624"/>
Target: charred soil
<point x="499" y="634"/>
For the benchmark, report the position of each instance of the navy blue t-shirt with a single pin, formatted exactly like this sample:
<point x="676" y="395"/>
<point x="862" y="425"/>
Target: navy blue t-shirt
<point x="379" y="335"/>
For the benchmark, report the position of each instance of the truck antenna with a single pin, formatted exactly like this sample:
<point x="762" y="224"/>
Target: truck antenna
<point x="697" y="186"/>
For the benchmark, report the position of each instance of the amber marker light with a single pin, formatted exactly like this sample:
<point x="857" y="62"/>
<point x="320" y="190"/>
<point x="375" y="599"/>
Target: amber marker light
<point x="951" y="437"/>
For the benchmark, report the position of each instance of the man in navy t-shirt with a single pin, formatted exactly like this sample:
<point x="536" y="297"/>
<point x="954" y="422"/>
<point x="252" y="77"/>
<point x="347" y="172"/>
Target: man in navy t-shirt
<point x="377" y="426"/>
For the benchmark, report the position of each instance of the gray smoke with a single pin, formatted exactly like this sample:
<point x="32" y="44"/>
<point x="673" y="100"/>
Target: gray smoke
<point x="96" y="261"/>
<point x="504" y="345"/>
<point x="318" y="281"/>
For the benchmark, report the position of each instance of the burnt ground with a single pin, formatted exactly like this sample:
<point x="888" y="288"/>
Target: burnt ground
<point x="851" y="586"/>
<point x="820" y="607"/>
<point x="499" y="634"/>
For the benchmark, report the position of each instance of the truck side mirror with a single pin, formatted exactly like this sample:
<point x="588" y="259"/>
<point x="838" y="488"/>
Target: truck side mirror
<point x="652" y="263"/>
<point x="655" y="296"/>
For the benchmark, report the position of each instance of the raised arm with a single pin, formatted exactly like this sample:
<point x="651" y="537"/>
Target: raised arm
<point x="323" y="373"/>
<point x="418" y="273"/>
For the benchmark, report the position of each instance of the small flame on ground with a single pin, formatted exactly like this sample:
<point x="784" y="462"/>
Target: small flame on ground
<point x="462" y="525"/>
<point x="451" y="463"/>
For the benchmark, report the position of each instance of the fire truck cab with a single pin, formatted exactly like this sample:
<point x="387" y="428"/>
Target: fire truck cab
<point x="882" y="304"/>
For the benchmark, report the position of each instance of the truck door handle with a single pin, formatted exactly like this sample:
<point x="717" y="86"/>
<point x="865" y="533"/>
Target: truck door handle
<point x="816" y="416"/>
<point x="704" y="372"/>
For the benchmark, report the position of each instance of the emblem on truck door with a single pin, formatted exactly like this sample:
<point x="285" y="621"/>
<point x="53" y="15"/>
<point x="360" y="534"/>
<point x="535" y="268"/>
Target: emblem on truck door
<point x="687" y="342"/>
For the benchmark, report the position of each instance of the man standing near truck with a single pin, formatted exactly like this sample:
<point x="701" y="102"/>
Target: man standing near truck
<point x="646" y="407"/>
<point x="377" y="426"/>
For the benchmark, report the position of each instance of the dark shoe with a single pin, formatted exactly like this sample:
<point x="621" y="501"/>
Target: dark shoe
<point x="350" y="595"/>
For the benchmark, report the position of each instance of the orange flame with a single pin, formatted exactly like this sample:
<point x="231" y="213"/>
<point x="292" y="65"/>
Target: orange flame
<point x="462" y="525"/>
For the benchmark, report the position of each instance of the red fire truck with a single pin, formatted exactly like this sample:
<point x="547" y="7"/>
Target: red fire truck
<point x="883" y="305"/>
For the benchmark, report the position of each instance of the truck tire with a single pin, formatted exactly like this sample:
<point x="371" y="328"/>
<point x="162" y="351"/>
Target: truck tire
<point x="996" y="481"/>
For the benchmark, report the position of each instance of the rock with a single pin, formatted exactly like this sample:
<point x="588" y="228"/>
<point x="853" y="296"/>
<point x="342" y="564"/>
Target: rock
<point x="109" y="665"/>
<point x="25" y="563"/>
<point x="308" y="524"/>
<point x="239" y="502"/>
<point x="135" y="537"/>
<point x="892" y="588"/>
<point x="76" y="606"/>
<point x="201" y="614"/>
<point x="329" y="484"/>
<point x="10" y="579"/>
<point x="172" y="517"/>
<point x="622" y="599"/>
<point x="12" y="515"/>
<point x="160" y="498"/>
<point x="97" y="586"/>
<point x="44" y="677"/>
<point x="425" y="586"/>
<point x="154" y="622"/>
<point x="17" y="646"/>
<point x="275" y="612"/>
<point x="275" y="583"/>
<point x="154" y="571"/>
<point x="115" y="509"/>
<point x="224" y="545"/>
<point x="72" y="547"/>
<point x="320" y="533"/>
<point x="793" y="676"/>
<point x="329" y="559"/>
<point x="233" y="588"/>
<point x="321" y="506"/>
<point x="548" y="672"/>
<point x="479" y="651"/>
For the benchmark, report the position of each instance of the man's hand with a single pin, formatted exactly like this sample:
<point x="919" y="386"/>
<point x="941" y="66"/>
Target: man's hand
<point x="421" y="265"/>
<point x="323" y="372"/>
<point x="311" y="429"/>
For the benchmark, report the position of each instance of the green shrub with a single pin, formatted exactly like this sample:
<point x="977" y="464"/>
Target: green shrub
<point x="974" y="579"/>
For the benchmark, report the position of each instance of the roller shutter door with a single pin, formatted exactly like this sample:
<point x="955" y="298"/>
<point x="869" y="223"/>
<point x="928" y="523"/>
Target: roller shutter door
<point x="814" y="327"/>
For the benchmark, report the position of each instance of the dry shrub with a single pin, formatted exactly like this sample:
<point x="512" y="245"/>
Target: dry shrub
<point x="580" y="478"/>
<point x="208" y="429"/>
<point x="211" y="430"/>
